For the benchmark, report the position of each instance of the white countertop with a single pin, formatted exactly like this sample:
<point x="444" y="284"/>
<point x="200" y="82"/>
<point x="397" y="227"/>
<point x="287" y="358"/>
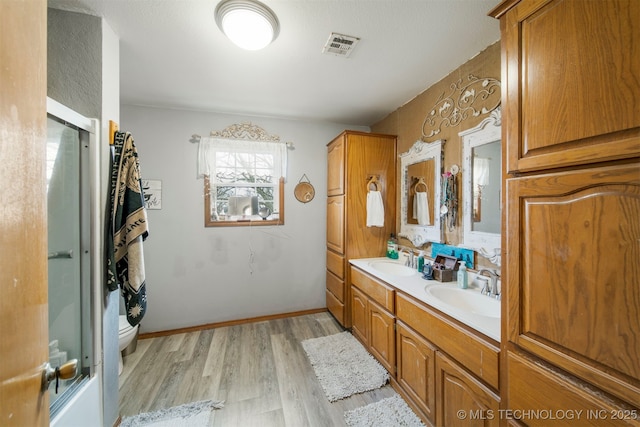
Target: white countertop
<point x="415" y="285"/>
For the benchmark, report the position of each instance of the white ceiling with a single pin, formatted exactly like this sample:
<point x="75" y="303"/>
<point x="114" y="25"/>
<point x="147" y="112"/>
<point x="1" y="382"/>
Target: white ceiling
<point x="173" y="55"/>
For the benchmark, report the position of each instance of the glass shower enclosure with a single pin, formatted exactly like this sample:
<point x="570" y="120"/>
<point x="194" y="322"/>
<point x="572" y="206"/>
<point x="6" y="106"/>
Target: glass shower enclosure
<point x="70" y="250"/>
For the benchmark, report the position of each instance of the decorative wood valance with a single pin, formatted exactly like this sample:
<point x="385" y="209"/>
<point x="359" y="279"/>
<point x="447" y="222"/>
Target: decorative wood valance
<point x="474" y="97"/>
<point x="244" y="131"/>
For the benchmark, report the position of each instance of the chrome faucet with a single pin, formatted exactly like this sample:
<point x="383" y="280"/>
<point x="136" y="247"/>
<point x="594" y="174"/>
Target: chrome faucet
<point x="492" y="289"/>
<point x="410" y="261"/>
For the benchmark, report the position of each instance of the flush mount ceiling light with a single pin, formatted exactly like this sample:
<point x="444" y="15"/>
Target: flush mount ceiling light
<point x="249" y="24"/>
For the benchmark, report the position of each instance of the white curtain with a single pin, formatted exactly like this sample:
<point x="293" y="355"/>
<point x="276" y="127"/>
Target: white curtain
<point x="208" y="148"/>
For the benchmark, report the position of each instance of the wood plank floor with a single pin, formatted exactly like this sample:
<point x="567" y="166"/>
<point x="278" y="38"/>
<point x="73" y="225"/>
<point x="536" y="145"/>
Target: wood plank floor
<point x="259" y="369"/>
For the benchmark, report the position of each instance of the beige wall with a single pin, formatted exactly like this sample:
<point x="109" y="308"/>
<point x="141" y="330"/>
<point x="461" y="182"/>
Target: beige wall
<point x="406" y="122"/>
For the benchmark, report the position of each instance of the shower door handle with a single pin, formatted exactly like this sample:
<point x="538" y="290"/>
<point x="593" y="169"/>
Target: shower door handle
<point x="65" y="372"/>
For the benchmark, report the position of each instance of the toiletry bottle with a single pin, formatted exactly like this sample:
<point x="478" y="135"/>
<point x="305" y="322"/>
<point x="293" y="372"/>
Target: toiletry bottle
<point x="462" y="275"/>
<point x="428" y="271"/>
<point x="420" y="261"/>
<point x="392" y="247"/>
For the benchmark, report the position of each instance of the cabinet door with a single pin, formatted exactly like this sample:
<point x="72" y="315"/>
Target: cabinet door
<point x="571" y="89"/>
<point x="335" y="166"/>
<point x="416" y="368"/>
<point x="573" y="268"/>
<point x="382" y="337"/>
<point x="359" y="315"/>
<point x="335" y="224"/>
<point x="461" y="399"/>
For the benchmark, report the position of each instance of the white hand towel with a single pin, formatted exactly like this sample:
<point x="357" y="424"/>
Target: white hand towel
<point x="375" y="209"/>
<point x="421" y="205"/>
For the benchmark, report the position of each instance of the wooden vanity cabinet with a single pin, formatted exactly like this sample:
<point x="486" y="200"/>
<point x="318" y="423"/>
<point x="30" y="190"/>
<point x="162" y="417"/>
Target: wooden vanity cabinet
<point x="372" y="315"/>
<point x="445" y="368"/>
<point x="352" y="159"/>
<point x="571" y="144"/>
<point x="477" y="353"/>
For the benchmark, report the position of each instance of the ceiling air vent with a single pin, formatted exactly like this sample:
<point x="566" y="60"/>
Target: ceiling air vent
<point x="340" y="45"/>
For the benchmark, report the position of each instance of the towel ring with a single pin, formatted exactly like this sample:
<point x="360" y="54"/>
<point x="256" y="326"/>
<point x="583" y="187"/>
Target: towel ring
<point x="420" y="182"/>
<point x="373" y="181"/>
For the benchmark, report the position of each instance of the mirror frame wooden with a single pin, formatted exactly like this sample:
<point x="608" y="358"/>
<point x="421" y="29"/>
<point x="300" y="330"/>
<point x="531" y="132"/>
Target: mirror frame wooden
<point x="488" y="131"/>
<point x="421" y="151"/>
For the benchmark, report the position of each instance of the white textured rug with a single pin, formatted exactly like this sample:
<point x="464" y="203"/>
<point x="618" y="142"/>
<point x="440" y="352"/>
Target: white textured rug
<point x="392" y="411"/>
<point x="343" y="366"/>
<point x="195" y="414"/>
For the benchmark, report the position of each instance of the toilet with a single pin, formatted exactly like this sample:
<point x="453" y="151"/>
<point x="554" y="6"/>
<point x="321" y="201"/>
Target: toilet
<point x="126" y="334"/>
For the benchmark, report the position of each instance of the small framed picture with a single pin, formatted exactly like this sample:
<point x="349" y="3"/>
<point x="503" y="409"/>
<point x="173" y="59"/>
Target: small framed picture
<point x="152" y="190"/>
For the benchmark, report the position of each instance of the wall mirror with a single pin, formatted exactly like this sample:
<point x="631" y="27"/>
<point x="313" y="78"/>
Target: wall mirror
<point x="421" y="168"/>
<point x="482" y="185"/>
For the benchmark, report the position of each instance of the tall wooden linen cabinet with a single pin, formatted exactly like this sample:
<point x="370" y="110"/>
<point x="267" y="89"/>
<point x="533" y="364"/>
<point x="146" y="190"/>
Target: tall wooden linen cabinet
<point x="353" y="159"/>
<point x="571" y="224"/>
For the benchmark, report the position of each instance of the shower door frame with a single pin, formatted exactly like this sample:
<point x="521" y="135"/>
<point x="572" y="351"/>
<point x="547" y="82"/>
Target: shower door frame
<point x="91" y="202"/>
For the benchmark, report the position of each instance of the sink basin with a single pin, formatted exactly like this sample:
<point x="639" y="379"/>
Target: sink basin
<point x="469" y="301"/>
<point x="393" y="268"/>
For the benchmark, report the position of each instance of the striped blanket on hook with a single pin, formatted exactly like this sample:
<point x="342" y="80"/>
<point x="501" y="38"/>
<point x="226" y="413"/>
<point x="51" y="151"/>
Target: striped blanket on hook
<point x="129" y="228"/>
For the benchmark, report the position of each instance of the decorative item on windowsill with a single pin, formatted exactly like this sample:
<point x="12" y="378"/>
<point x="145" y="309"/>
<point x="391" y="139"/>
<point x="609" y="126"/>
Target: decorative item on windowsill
<point x="304" y="191"/>
<point x="264" y="212"/>
<point x="449" y="205"/>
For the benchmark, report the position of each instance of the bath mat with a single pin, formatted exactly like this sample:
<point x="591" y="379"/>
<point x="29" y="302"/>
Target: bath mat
<point x="195" y="414"/>
<point x="392" y="411"/>
<point x="343" y="366"/>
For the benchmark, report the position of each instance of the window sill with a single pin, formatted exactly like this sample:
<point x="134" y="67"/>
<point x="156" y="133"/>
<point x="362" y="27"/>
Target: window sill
<point x="244" y="222"/>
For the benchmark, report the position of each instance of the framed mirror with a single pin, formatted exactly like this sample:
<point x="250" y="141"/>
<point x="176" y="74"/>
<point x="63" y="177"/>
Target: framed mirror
<point x="482" y="185"/>
<point x="421" y="169"/>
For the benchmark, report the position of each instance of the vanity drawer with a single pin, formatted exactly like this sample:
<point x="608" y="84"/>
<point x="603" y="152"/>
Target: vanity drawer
<point x="336" y="286"/>
<point x="533" y="386"/>
<point x="377" y="291"/>
<point x="335" y="307"/>
<point x="479" y="356"/>
<point x="335" y="264"/>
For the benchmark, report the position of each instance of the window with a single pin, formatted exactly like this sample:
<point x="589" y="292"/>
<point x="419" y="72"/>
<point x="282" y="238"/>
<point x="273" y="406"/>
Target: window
<point x="243" y="181"/>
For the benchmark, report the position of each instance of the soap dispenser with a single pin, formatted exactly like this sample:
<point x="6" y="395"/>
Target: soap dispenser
<point x="392" y="247"/>
<point x="420" y="261"/>
<point x="462" y="276"/>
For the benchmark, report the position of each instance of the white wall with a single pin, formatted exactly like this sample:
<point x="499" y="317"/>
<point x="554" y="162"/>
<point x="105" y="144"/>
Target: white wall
<point x="198" y="275"/>
<point x="83" y="74"/>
